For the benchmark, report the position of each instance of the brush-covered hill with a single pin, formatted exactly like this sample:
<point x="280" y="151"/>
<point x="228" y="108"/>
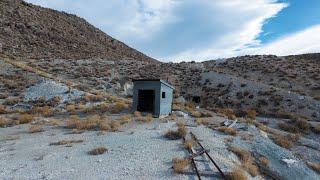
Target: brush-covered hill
<point x="30" y="31"/>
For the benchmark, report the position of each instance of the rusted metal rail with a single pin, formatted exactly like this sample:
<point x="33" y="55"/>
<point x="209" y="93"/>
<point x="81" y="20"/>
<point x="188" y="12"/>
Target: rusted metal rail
<point x="192" y="162"/>
<point x="208" y="155"/>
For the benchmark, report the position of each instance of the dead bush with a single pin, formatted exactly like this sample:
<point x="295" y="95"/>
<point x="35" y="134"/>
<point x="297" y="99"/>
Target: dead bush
<point x="179" y="165"/>
<point x="285" y="141"/>
<point x="3" y="109"/>
<point x="119" y="107"/>
<point x="288" y="127"/>
<point x="246" y="159"/>
<point x="264" y="161"/>
<point x="295" y="126"/>
<point x="65" y="142"/>
<point x="229" y="113"/>
<point x="3" y="122"/>
<point x="302" y="124"/>
<point x="104" y="126"/>
<point x="316" y="129"/>
<point x="36" y="129"/>
<point x="115" y="125"/>
<point x="228" y="130"/>
<point x="201" y="121"/>
<point x="137" y="114"/>
<point x="251" y="114"/>
<point x="188" y="144"/>
<point x="236" y="174"/>
<point x="145" y="119"/>
<point x="178" y="134"/>
<point x="98" y="151"/>
<point x="314" y="166"/>
<point x="25" y="118"/>
<point x="125" y="119"/>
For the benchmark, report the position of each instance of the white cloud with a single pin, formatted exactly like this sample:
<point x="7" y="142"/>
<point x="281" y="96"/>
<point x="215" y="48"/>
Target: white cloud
<point x="178" y="29"/>
<point x="306" y="41"/>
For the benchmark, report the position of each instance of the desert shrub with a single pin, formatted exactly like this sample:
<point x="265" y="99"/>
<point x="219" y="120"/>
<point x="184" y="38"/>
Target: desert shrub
<point x="2" y="109"/>
<point x="229" y="113"/>
<point x="188" y="144"/>
<point x="288" y="127"/>
<point x="25" y="118"/>
<point x="178" y="134"/>
<point x="246" y="159"/>
<point x="314" y="166"/>
<point x="3" y="122"/>
<point x="316" y="129"/>
<point x="285" y="141"/>
<point x="302" y="124"/>
<point x="251" y="113"/>
<point x="297" y="125"/>
<point x="104" y="126"/>
<point x="119" y="106"/>
<point x="137" y="114"/>
<point x="179" y="165"/>
<point x="98" y="151"/>
<point x="236" y="174"/>
<point x="195" y="114"/>
<point x="264" y="161"/>
<point x="125" y="119"/>
<point x="93" y="98"/>
<point x="145" y="119"/>
<point x="45" y="111"/>
<point x="71" y="108"/>
<point x="36" y="129"/>
<point x="65" y="142"/>
<point x="11" y="101"/>
<point x="115" y="125"/>
<point x="72" y="122"/>
<point x="201" y="121"/>
<point x="228" y="130"/>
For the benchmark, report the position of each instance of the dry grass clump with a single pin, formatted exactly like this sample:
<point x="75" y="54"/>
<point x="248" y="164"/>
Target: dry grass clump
<point x="145" y="119"/>
<point x="71" y="108"/>
<point x="3" y="122"/>
<point x="65" y="142"/>
<point x="115" y="125"/>
<point x="316" y="129"/>
<point x="188" y="144"/>
<point x="36" y="128"/>
<point x="179" y="165"/>
<point x="93" y="123"/>
<point x="236" y="174"/>
<point x="229" y="113"/>
<point x="137" y="114"/>
<point x="264" y="161"/>
<point x="98" y="151"/>
<point x="178" y="134"/>
<point x="25" y="118"/>
<point x="201" y="121"/>
<point x="228" y="130"/>
<point x="251" y="114"/>
<point x="285" y="141"/>
<point x="45" y="111"/>
<point x="314" y="166"/>
<point x="3" y="109"/>
<point x="119" y="107"/>
<point x="246" y="159"/>
<point x="125" y="119"/>
<point x="295" y="126"/>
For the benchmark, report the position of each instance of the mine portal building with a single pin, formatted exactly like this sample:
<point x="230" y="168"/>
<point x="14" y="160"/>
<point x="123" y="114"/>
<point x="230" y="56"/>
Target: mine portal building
<point x="153" y="96"/>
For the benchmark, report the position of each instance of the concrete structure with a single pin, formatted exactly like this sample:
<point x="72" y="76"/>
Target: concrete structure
<point x="153" y="96"/>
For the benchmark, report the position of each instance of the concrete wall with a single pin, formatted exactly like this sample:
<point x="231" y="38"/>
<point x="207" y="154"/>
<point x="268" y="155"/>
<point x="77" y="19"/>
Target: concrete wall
<point x="162" y="106"/>
<point x="166" y="103"/>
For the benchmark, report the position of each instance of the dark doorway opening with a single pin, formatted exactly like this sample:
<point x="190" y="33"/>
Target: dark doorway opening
<point x="146" y="101"/>
<point x="196" y="99"/>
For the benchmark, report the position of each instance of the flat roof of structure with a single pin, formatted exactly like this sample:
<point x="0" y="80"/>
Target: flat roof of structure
<point x="162" y="81"/>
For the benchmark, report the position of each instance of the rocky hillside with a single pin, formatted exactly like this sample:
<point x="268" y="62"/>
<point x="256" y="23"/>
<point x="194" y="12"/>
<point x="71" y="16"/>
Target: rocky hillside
<point x="31" y="31"/>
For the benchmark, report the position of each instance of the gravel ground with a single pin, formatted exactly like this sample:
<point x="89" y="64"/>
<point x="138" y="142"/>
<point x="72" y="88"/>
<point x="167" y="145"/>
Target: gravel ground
<point x="138" y="153"/>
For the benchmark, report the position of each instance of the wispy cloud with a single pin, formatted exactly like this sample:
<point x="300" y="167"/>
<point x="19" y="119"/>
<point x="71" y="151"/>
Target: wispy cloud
<point x="176" y="30"/>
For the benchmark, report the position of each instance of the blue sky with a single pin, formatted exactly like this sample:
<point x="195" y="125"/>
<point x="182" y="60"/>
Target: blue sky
<point x="184" y="30"/>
